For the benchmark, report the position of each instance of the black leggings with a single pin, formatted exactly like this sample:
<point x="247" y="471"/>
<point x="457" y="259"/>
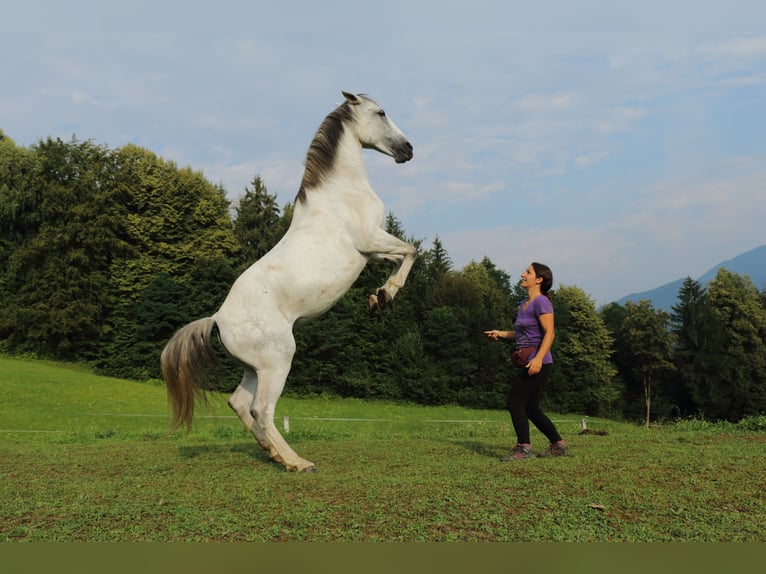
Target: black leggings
<point x="524" y="405"/>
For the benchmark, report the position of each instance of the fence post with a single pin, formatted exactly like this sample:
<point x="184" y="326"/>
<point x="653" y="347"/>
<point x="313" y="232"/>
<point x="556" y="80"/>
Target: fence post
<point x="583" y="424"/>
<point x="286" y="423"/>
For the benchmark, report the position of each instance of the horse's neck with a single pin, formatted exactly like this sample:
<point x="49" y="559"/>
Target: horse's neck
<point x="348" y="169"/>
<point x="344" y="192"/>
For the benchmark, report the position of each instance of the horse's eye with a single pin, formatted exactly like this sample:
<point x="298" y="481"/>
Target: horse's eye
<point x="382" y="113"/>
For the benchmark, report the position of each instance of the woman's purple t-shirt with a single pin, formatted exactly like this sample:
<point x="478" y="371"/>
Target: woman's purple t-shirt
<point x="529" y="332"/>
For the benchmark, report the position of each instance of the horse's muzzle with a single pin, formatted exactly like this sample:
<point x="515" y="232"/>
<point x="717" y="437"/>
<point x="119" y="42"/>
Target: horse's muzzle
<point x="403" y="153"/>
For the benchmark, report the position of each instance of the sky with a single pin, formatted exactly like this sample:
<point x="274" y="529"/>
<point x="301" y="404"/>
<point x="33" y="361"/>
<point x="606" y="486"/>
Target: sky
<point x="621" y="143"/>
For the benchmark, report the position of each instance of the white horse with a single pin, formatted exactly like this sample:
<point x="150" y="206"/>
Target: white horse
<point x="337" y="227"/>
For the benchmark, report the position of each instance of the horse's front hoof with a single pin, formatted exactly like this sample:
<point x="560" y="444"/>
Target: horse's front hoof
<point x="383" y="298"/>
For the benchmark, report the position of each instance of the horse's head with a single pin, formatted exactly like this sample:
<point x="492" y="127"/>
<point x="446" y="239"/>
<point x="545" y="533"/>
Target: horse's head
<point x="376" y="130"/>
<point x="360" y="118"/>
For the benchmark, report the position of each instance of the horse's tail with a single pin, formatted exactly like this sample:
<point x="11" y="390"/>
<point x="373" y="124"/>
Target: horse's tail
<point x="185" y="363"/>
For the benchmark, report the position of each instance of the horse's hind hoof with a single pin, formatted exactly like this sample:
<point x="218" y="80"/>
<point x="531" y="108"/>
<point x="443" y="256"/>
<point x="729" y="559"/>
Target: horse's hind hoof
<point x="307" y="469"/>
<point x="372" y="304"/>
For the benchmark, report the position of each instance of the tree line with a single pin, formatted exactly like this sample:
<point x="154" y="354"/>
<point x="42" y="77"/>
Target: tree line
<point x="104" y="253"/>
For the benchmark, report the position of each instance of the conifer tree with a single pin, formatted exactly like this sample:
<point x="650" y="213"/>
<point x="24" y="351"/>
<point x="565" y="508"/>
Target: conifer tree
<point x="257" y="222"/>
<point x="698" y="341"/>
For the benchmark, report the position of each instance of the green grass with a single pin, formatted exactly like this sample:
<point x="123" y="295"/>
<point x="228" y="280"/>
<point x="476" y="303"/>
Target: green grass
<point x="87" y="458"/>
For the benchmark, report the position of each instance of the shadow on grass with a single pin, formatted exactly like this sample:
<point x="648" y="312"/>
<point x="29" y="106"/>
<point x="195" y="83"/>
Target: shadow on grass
<point x="251" y="450"/>
<point x="483" y="449"/>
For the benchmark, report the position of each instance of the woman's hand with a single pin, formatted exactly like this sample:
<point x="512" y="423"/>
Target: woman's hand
<point x="534" y="365"/>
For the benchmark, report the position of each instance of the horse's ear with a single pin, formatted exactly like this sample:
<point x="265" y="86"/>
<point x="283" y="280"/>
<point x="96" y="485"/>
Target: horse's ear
<point x="350" y="98"/>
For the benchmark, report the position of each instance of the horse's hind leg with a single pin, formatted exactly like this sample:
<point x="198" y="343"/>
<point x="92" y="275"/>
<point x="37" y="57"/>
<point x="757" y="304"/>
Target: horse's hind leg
<point x="242" y="398"/>
<point x="255" y="402"/>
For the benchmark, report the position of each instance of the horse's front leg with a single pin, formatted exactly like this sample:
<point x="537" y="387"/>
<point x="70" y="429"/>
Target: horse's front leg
<point x="403" y="255"/>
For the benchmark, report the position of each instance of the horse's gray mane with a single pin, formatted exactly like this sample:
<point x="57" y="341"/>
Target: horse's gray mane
<point x="321" y="154"/>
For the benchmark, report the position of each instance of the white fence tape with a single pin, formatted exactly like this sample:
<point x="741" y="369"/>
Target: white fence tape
<point x="286" y="420"/>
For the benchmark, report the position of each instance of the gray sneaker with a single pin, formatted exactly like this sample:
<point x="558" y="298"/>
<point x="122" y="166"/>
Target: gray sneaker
<point x="556" y="449"/>
<point x="519" y="452"/>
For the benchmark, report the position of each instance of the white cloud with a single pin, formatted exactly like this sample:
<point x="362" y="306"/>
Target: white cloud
<point x="619" y="119"/>
<point x="587" y="160"/>
<point x="750" y="79"/>
<point x="746" y="47"/>
<point x="545" y="103"/>
<point x="81" y="98"/>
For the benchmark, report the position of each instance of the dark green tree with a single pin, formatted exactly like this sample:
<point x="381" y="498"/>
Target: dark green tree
<point x="67" y="233"/>
<point x="436" y="260"/>
<point x="736" y="307"/>
<point x="18" y="220"/>
<point x="447" y="345"/>
<point x="500" y="277"/>
<point x="257" y="222"/>
<point x="175" y="223"/>
<point x="155" y="317"/>
<point x="698" y="342"/>
<point x="330" y="352"/>
<point x="18" y="198"/>
<point x="472" y="298"/>
<point x="584" y="378"/>
<point x="646" y="332"/>
<point x="613" y="316"/>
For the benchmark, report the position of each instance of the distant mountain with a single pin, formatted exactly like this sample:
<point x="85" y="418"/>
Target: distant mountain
<point x="751" y="263"/>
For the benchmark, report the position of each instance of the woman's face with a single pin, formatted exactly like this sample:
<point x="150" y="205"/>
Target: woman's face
<point x="529" y="278"/>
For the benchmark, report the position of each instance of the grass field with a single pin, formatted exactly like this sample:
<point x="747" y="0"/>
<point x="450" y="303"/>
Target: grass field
<point x="87" y="458"/>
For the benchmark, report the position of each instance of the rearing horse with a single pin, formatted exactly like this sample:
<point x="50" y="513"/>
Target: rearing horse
<point x="337" y="227"/>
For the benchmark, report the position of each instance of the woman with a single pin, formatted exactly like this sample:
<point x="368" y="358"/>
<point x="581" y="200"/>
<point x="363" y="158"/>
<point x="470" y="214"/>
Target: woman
<point x="533" y="333"/>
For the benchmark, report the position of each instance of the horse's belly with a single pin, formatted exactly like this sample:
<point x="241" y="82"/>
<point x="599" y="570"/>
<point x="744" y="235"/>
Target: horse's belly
<point x="317" y="286"/>
<point x="294" y="286"/>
